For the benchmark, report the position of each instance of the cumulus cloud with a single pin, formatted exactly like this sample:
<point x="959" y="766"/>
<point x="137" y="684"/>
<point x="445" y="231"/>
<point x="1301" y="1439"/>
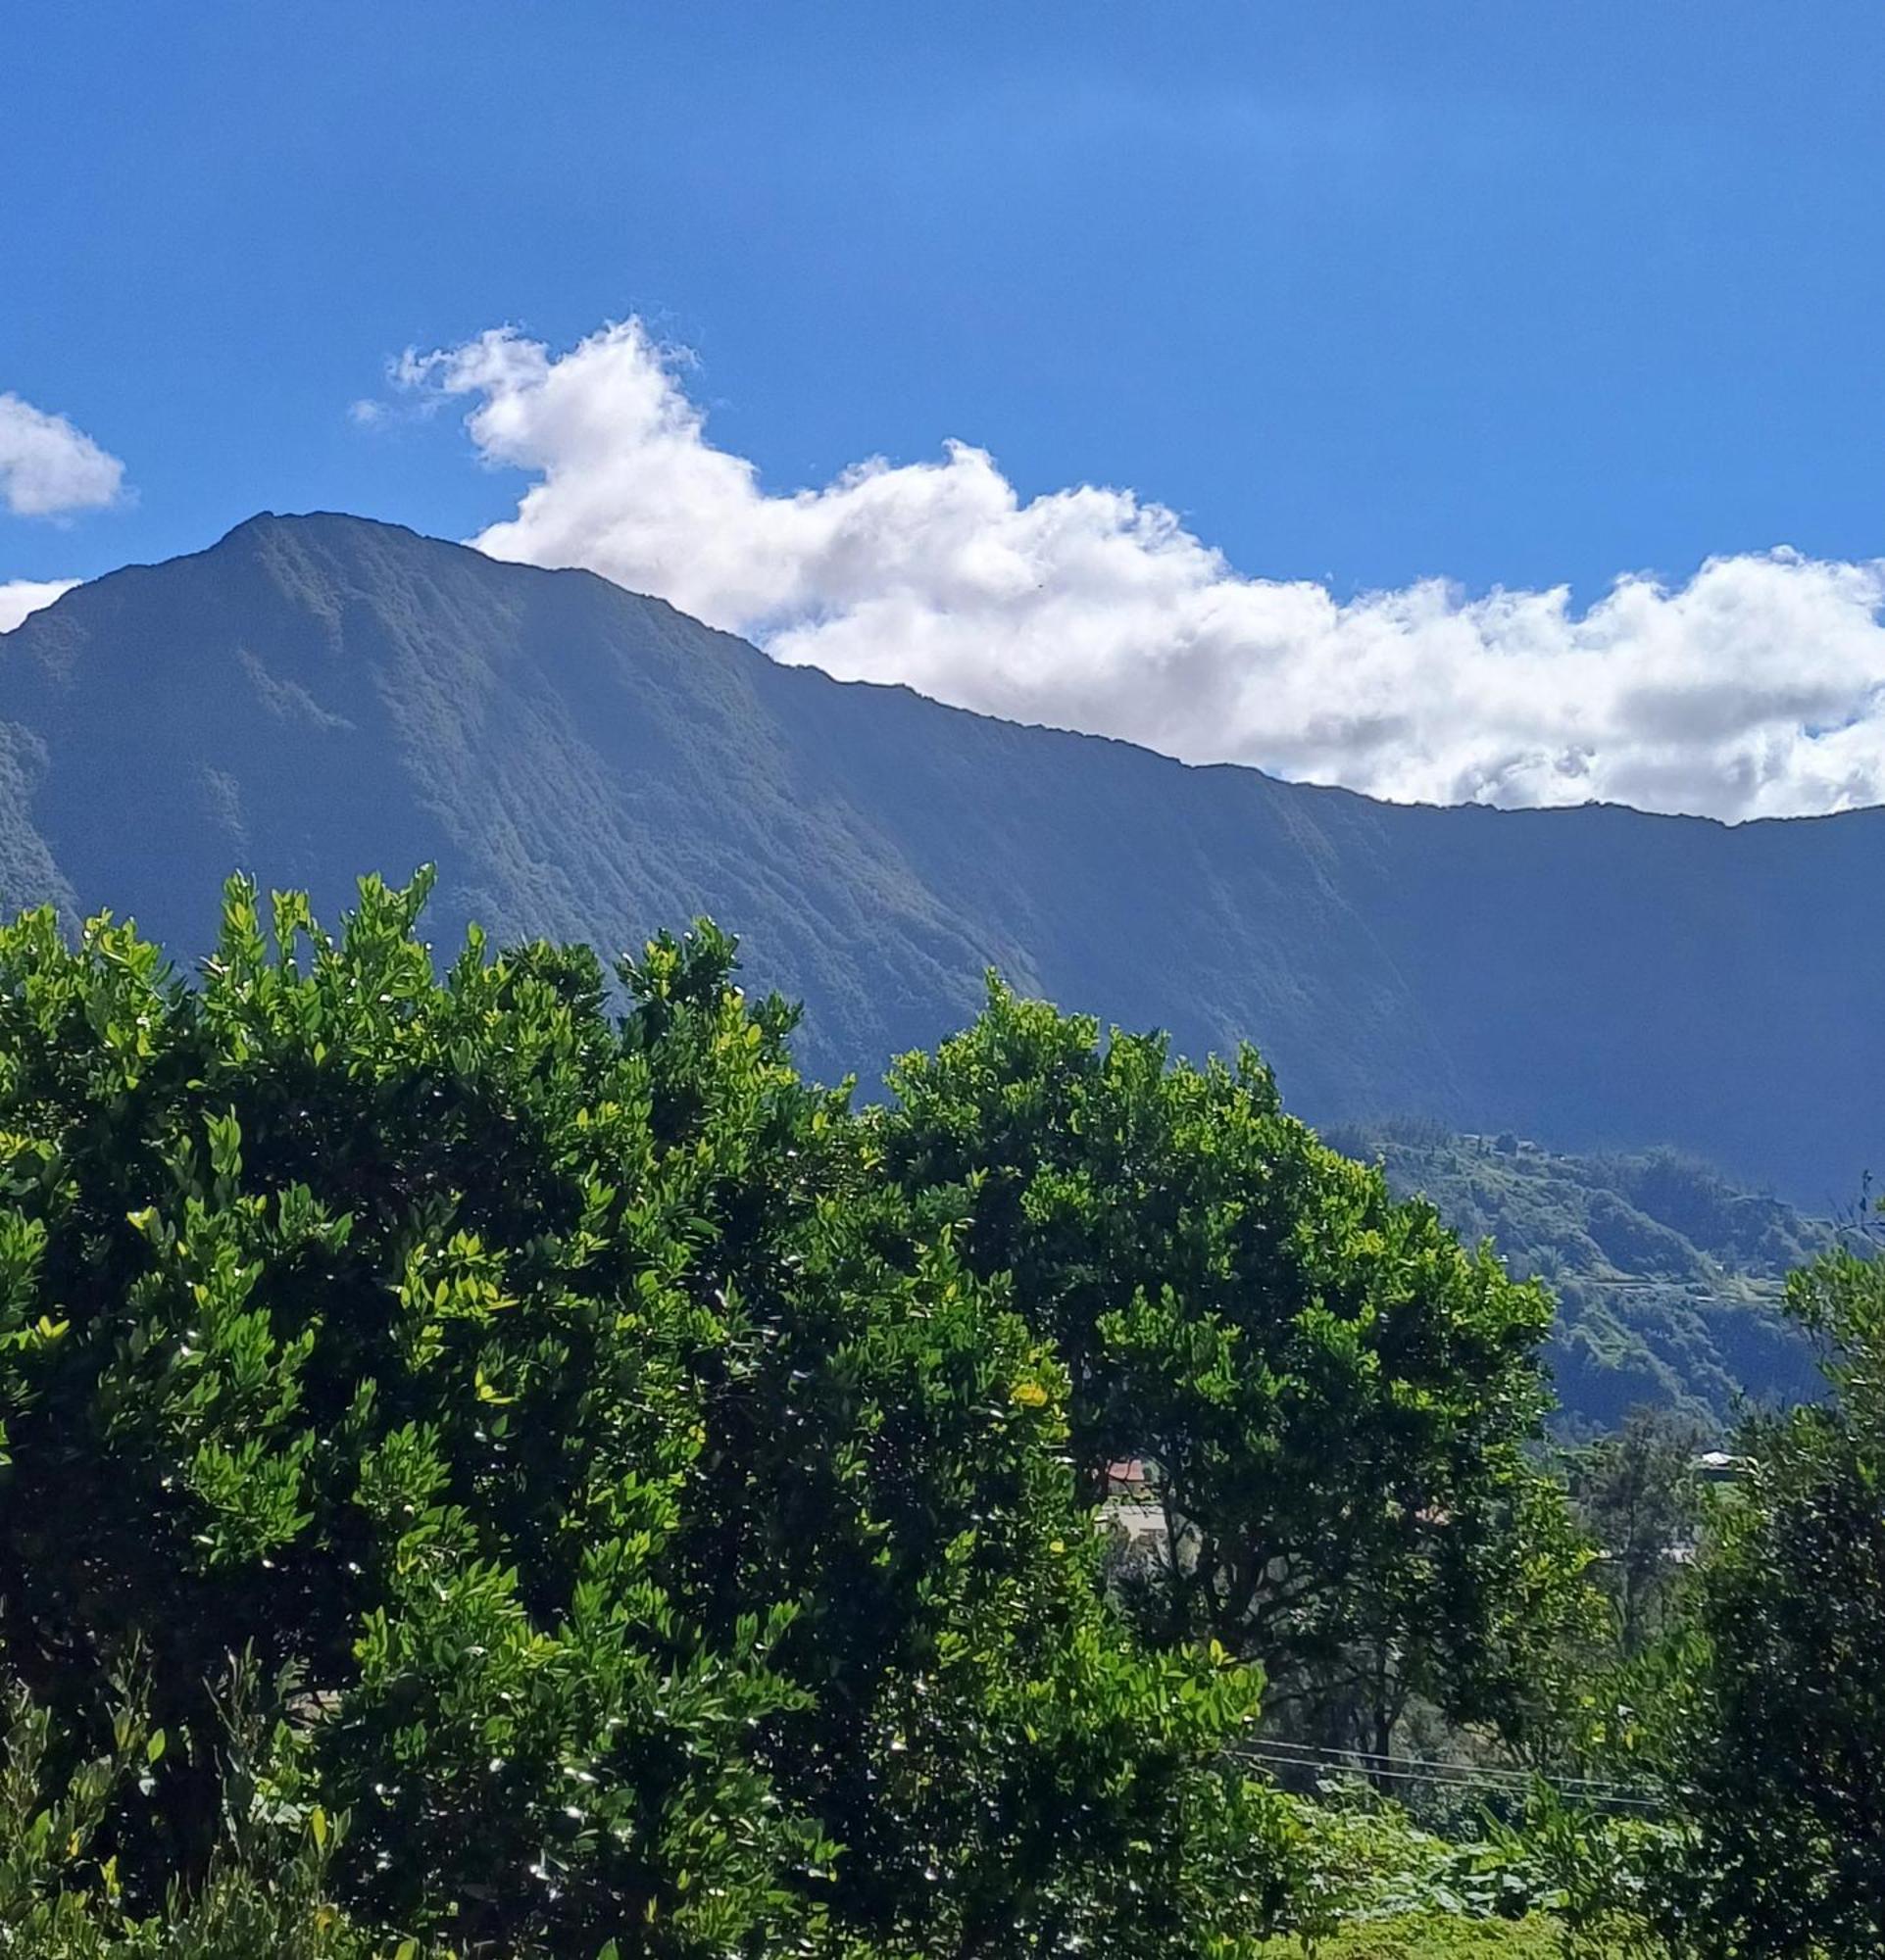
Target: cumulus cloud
<point x="28" y="595"/>
<point x="1755" y="688"/>
<point x="49" y="468"/>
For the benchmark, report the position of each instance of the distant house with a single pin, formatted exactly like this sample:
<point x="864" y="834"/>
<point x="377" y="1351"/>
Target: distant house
<point x="1718" y="1466"/>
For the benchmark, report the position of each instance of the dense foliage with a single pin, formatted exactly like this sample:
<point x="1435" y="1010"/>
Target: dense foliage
<point x="494" y="1463"/>
<point x="523" y="1402"/>
<point x="1335" y="1402"/>
<point x="264" y="1892"/>
<point x="1777" y="1752"/>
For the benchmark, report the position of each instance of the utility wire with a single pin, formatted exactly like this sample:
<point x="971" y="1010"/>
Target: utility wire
<point x="1598" y="1801"/>
<point x="1457" y="1776"/>
<point x="1312" y="1756"/>
<point x="1318" y="1752"/>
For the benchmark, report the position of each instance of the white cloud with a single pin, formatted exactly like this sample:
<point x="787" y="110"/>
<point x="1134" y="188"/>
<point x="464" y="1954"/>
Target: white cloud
<point x="48" y="468"/>
<point x="28" y="595"/>
<point x="1755" y="688"/>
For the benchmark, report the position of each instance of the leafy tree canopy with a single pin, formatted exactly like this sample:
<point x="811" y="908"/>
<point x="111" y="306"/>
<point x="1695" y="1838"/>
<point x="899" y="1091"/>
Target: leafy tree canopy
<point x="1335" y="1399"/>
<point x="1775" y="1737"/>
<point x="614" y="1511"/>
<point x="1638" y="1495"/>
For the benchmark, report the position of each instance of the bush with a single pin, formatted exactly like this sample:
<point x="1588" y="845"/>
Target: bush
<point x="265" y="1892"/>
<point x="1431" y="1937"/>
<point x="636" y="1536"/>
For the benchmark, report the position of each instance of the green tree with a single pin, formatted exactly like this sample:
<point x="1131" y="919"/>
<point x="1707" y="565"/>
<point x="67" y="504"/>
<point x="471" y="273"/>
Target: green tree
<point x="1778" y="1757"/>
<point x="1336" y="1399"/>
<point x="1637" y="1497"/>
<point x="644" y="1543"/>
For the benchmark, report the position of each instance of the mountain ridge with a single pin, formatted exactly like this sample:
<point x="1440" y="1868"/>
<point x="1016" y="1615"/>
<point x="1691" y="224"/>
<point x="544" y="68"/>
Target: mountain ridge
<point x="316" y="696"/>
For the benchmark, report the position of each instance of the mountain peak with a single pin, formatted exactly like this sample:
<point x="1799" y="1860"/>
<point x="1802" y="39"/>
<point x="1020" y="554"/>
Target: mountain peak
<point x="320" y="695"/>
<point x="327" y="524"/>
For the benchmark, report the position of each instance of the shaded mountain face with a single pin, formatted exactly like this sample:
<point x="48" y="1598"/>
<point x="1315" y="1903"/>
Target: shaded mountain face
<point x="319" y="695"/>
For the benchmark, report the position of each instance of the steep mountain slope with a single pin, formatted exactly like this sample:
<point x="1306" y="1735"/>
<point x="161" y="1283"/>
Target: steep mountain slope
<point x="1668" y="1278"/>
<point x="318" y="695"/>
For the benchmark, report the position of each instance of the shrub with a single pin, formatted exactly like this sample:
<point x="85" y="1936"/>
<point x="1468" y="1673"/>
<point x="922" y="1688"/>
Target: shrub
<point x="638" y="1537"/>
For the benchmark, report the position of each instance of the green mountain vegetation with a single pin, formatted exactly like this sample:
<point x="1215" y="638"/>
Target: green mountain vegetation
<point x="319" y="692"/>
<point x="1669" y="1278"/>
<point x="498" y="1464"/>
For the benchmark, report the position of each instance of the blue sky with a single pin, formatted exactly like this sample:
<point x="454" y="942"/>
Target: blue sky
<point x="1509" y="295"/>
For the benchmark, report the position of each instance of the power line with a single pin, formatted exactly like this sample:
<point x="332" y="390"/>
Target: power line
<point x="1275" y="1754"/>
<point x="1488" y="1786"/>
<point x="1311" y="1755"/>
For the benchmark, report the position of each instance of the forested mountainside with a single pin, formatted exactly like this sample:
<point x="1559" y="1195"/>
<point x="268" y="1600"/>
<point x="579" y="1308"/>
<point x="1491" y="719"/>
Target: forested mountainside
<point x="1668" y="1276"/>
<point x="315" y="695"/>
